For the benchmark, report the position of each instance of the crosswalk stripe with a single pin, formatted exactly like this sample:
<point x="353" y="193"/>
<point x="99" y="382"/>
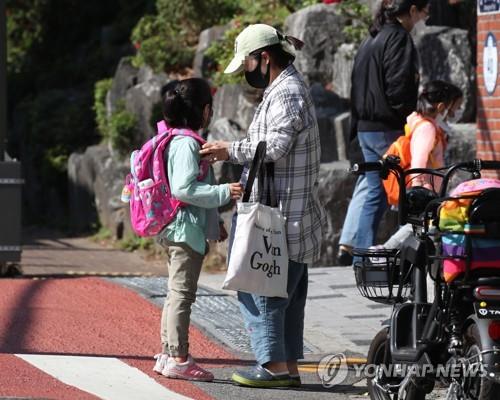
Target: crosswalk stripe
<point x="106" y="378"/>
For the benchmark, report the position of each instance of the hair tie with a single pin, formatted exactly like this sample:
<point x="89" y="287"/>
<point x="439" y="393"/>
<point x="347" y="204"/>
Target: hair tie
<point x="296" y="43"/>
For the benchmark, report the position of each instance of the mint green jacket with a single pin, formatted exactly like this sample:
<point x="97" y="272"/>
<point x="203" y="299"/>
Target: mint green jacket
<point x="199" y="219"/>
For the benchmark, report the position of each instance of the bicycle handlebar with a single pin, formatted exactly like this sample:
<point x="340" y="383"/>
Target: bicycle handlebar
<point x="368" y="166"/>
<point x="391" y="164"/>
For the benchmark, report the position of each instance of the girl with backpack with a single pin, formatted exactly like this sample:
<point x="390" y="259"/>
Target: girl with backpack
<point x="188" y="107"/>
<point x="426" y="130"/>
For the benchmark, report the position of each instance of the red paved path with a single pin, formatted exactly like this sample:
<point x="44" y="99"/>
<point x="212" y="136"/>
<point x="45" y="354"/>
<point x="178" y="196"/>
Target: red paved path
<point x="83" y="316"/>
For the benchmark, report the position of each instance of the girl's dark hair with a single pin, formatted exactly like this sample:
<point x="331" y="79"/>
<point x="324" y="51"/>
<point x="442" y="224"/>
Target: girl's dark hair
<point x="391" y="9"/>
<point x="183" y="105"/>
<point x="436" y="92"/>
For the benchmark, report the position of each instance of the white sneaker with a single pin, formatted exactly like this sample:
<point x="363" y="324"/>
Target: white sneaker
<point x="188" y="370"/>
<point x="161" y="362"/>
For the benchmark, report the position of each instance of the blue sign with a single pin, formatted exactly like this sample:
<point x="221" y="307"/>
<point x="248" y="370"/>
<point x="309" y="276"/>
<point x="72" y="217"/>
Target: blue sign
<point x="488" y="6"/>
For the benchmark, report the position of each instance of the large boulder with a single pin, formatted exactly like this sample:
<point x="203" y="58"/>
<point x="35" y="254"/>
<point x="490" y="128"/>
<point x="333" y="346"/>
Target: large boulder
<point x="202" y="65"/>
<point x="328" y="106"/>
<point x="143" y="100"/>
<point x="445" y="53"/>
<point x="96" y="177"/>
<point x="461" y="147"/>
<point x="139" y="90"/>
<point x="461" y="143"/>
<point x="81" y="194"/>
<point x="343" y="62"/>
<point x="336" y="185"/>
<point x="229" y="131"/>
<point x="320" y="27"/>
<point x="236" y="103"/>
<point x="126" y="76"/>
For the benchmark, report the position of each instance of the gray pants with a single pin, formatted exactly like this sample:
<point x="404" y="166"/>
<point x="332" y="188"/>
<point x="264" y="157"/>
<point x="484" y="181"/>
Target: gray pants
<point x="184" y="267"/>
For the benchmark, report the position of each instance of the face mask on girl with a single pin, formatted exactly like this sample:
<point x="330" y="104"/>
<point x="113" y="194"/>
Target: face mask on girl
<point x="457" y="116"/>
<point x="443" y="124"/>
<point x="441" y="118"/>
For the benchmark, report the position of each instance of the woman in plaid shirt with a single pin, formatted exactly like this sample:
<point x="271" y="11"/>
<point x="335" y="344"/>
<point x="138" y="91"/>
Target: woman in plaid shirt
<point x="286" y="120"/>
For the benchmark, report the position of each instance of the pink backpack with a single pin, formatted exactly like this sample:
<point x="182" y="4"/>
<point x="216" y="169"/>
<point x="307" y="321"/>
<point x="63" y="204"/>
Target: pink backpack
<point x="152" y="206"/>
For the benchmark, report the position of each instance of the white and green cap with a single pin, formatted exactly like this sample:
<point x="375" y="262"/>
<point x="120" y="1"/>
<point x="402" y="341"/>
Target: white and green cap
<point x="255" y="37"/>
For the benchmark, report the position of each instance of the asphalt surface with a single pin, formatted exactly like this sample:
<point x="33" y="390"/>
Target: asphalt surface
<point x="54" y="312"/>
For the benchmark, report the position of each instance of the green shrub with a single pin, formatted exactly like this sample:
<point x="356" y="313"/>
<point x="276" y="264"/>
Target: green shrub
<point x="102" y="235"/>
<point x="55" y="126"/>
<point x="222" y="51"/>
<point x="132" y="243"/>
<point x="101" y="89"/>
<point x="160" y="46"/>
<point x="359" y="18"/>
<point x="122" y="129"/>
<point x="270" y="12"/>
<point x="156" y="115"/>
<point x="24" y="29"/>
<point x="167" y="41"/>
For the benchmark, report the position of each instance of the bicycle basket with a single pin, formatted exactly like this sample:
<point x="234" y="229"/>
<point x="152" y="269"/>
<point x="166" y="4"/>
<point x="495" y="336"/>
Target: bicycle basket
<point x="378" y="276"/>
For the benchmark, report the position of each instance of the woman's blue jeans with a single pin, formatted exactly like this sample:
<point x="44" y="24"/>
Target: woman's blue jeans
<point x="373" y="145"/>
<point x="351" y="221"/>
<point x="276" y="325"/>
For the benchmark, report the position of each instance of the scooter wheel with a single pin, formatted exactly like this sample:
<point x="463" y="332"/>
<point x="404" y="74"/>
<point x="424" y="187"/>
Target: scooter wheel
<point x="378" y="354"/>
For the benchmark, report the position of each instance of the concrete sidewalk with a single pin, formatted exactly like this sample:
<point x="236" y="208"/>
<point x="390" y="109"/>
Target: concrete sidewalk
<point x="338" y="319"/>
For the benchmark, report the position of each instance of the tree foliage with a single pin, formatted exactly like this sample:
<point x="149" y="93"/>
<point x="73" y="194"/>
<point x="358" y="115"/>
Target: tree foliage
<point x="359" y="19"/>
<point x="24" y="29"/>
<point x="167" y="40"/>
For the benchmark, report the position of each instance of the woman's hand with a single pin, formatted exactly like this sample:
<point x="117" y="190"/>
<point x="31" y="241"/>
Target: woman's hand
<point x="215" y="151"/>
<point x="236" y="190"/>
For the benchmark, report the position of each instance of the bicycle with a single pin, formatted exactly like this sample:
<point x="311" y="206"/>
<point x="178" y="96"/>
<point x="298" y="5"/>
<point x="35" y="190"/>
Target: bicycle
<point x="459" y="330"/>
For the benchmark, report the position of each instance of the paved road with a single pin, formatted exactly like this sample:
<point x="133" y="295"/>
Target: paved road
<point x="92" y="337"/>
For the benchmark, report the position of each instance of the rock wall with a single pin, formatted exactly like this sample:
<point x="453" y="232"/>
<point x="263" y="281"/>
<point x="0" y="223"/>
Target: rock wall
<point x="96" y="177"/>
<point x="320" y="28"/>
<point x="326" y="63"/>
<point x="139" y="90"/>
<point x="236" y="103"/>
<point x="202" y="64"/>
<point x="336" y="185"/>
<point x="445" y="53"/>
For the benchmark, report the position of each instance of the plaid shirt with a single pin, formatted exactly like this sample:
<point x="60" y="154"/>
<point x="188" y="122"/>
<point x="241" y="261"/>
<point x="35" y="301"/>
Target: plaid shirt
<point x="286" y="120"/>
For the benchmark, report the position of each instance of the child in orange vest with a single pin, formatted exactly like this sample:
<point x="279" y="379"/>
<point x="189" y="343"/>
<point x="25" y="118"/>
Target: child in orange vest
<point x="438" y="103"/>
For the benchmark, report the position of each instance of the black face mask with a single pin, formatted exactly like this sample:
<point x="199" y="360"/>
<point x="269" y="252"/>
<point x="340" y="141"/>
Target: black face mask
<point x="256" y="78"/>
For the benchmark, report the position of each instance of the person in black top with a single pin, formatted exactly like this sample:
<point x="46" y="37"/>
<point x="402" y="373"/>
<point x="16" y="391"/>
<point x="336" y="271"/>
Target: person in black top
<point x="384" y="92"/>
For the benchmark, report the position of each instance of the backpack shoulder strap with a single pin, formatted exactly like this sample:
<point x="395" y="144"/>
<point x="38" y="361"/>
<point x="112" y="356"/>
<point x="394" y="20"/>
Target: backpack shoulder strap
<point x="162" y="127"/>
<point x="204" y="164"/>
<point x="190" y="133"/>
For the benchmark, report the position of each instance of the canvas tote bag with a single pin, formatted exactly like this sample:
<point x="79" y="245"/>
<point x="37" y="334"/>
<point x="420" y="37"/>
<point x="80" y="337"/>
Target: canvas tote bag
<point x="258" y="263"/>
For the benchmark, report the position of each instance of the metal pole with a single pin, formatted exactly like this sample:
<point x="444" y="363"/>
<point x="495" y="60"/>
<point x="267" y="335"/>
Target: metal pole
<point x="3" y="78"/>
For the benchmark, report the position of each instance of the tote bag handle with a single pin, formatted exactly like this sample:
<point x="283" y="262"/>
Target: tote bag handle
<point x="265" y="174"/>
